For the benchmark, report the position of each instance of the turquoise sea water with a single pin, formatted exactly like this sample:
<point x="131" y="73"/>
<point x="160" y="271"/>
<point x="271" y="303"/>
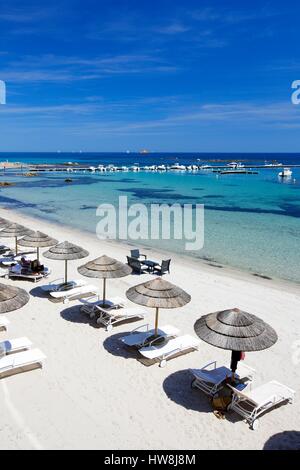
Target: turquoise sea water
<point x="251" y="221"/>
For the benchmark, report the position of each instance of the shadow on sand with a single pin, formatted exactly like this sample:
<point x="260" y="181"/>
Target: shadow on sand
<point x="38" y="292"/>
<point x="73" y="315"/>
<point x="287" y="440"/>
<point x="113" y="345"/>
<point x="178" y="388"/>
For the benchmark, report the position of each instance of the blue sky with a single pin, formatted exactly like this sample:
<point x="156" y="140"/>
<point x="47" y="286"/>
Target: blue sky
<point x="164" y="75"/>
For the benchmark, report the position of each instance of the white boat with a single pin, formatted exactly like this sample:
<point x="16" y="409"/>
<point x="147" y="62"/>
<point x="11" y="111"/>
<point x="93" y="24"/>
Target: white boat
<point x="111" y="168"/>
<point x="92" y="169"/>
<point x="192" y="167"/>
<point x="176" y="166"/>
<point x="273" y="165"/>
<point x="135" y="168"/>
<point x="285" y="173"/>
<point x="124" y="168"/>
<point x="205" y="167"/>
<point x="101" y="168"/>
<point x="235" y="165"/>
<point x="161" y="168"/>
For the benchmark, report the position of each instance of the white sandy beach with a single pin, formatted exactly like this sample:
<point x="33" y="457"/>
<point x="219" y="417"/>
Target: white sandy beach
<point x="93" y="394"/>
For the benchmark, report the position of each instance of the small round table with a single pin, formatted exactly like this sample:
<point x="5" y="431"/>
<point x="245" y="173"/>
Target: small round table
<point x="151" y="264"/>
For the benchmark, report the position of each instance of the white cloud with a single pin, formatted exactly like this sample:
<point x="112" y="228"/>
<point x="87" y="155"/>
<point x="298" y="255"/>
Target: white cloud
<point x="173" y="28"/>
<point x="55" y="68"/>
<point x="24" y="15"/>
<point x="174" y="116"/>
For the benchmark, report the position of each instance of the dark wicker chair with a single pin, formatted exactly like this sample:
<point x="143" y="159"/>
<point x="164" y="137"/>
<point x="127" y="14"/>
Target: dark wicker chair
<point x="136" y="265"/>
<point x="164" y="267"/>
<point x="136" y="254"/>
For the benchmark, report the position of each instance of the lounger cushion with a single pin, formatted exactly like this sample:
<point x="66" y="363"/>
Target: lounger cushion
<point x="137" y="338"/>
<point x="109" y="303"/>
<point x="15" y="344"/>
<point x="73" y="292"/>
<point x="269" y="391"/>
<point x="214" y="376"/>
<point x="53" y="287"/>
<point x="181" y="343"/>
<point x="123" y="312"/>
<point x="21" y="359"/>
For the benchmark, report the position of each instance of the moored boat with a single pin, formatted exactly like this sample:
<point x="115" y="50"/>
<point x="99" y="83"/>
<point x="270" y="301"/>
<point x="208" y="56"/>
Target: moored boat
<point x="285" y="173"/>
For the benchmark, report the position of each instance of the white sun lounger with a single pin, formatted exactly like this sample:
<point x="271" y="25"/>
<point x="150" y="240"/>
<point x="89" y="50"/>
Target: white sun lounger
<point x="59" y="285"/>
<point x="139" y="339"/>
<point x="16" y="272"/>
<point x="89" y="304"/>
<point x="8" y="260"/>
<point x="211" y="379"/>
<point x="113" y="316"/>
<point x="68" y="295"/>
<point x="13" y="362"/>
<point x="171" y="348"/>
<point x="251" y="404"/>
<point x="4" y="322"/>
<point x="15" y="345"/>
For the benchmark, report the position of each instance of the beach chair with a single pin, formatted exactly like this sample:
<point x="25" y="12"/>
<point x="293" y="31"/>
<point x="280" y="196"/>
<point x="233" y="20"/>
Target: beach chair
<point x="58" y="285"/>
<point x="163" y="268"/>
<point x="139" y="339"/>
<point x="251" y="404"/>
<point x="89" y="304"/>
<point x="170" y="349"/>
<point x="4" y="249"/>
<point x="4" y="322"/>
<point x="136" y="265"/>
<point x="111" y="317"/>
<point x="136" y="254"/>
<point x="14" y="362"/>
<point x="11" y="259"/>
<point x="15" y="345"/>
<point x="67" y="295"/>
<point x="7" y="260"/>
<point x="19" y="272"/>
<point x="210" y="378"/>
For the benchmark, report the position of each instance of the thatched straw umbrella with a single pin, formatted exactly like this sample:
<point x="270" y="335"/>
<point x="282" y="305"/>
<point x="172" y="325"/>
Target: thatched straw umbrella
<point x="14" y="230"/>
<point x="105" y="268"/>
<point x="4" y="222"/>
<point x="37" y="240"/>
<point x="66" y="251"/>
<point x="157" y="294"/>
<point x="12" y="298"/>
<point x="237" y="331"/>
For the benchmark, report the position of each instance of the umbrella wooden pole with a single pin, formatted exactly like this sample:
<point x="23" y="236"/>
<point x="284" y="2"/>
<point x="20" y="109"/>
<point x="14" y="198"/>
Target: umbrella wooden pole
<point x="104" y="291"/>
<point x="16" y="239"/>
<point x="156" y="321"/>
<point x="38" y="254"/>
<point x="66" y="271"/>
